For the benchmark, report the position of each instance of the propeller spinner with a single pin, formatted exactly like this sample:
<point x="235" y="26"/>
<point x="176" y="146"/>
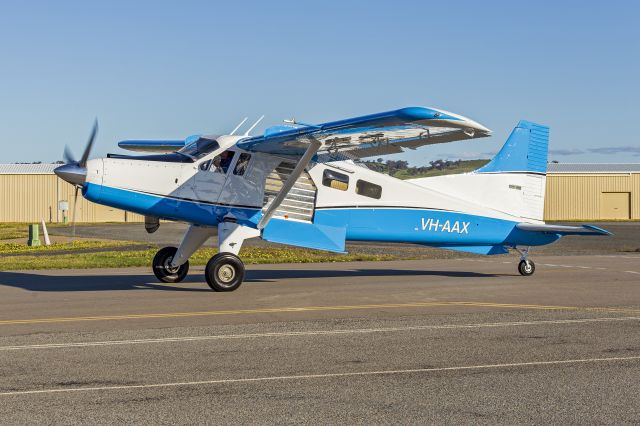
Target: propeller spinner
<point x="75" y="172"/>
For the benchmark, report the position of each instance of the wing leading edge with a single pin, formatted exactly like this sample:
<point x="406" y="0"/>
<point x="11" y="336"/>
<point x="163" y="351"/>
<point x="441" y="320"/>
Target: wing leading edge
<point x="151" y="146"/>
<point x="370" y="135"/>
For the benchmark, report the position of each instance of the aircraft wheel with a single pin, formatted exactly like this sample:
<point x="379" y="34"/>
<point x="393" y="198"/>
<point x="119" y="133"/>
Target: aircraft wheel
<point x="224" y="272"/>
<point x="526" y="267"/>
<point x="163" y="271"/>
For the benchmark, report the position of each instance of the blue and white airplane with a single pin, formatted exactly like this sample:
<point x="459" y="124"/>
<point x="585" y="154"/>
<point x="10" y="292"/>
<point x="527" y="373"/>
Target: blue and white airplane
<point x="300" y="184"/>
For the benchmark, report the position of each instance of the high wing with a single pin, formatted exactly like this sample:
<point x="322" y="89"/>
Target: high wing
<point x="151" y="146"/>
<point x="370" y="135"/>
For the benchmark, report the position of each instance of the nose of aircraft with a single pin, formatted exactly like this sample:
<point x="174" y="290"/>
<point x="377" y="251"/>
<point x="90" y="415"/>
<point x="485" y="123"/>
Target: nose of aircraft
<point x="75" y="172"/>
<point x="72" y="173"/>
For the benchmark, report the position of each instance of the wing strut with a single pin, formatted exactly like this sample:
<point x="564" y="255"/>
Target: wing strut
<point x="291" y="180"/>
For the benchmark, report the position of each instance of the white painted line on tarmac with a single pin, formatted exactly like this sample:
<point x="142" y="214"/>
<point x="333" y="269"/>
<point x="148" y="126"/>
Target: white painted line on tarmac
<point x="553" y="265"/>
<point x="312" y="333"/>
<point x="619" y="256"/>
<point x="323" y="376"/>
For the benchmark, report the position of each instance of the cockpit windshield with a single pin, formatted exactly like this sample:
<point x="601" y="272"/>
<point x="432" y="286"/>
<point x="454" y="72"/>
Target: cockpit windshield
<point x="199" y="148"/>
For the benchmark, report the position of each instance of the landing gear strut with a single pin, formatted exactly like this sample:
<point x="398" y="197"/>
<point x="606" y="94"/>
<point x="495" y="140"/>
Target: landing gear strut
<point x="163" y="269"/>
<point x="171" y="264"/>
<point x="526" y="267"/>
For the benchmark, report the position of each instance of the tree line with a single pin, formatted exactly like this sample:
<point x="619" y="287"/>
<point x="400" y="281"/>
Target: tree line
<point x="391" y="167"/>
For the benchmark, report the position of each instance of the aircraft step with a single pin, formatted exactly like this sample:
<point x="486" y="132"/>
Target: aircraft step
<point x="299" y="202"/>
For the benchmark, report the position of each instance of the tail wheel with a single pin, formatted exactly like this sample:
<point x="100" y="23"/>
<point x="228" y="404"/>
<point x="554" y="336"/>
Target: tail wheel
<point x="526" y="267"/>
<point x="162" y="266"/>
<point x="224" y="272"/>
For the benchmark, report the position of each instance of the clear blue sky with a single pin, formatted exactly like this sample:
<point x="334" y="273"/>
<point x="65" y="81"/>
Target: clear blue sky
<point x="168" y="69"/>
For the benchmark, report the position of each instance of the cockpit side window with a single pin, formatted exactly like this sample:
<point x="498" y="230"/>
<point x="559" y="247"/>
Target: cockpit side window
<point x="221" y="162"/>
<point x="199" y="148"/>
<point x="242" y="164"/>
<point x="204" y="166"/>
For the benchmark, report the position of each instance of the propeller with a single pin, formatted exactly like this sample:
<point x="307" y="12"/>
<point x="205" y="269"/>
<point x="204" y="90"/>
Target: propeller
<point x="68" y="155"/>
<point x="73" y="217"/>
<point x="75" y="172"/>
<point x="87" y="149"/>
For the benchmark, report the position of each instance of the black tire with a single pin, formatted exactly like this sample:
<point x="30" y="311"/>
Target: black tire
<point x="526" y="267"/>
<point x="161" y="266"/>
<point x="224" y="272"/>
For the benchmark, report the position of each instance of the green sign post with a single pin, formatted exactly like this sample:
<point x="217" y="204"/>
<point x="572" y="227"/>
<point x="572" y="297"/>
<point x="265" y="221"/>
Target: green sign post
<point x="34" y="235"/>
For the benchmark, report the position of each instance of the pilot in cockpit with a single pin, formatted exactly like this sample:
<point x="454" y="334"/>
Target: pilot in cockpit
<point x="221" y="162"/>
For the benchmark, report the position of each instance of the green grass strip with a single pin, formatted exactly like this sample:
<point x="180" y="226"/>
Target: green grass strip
<point x="19" y="248"/>
<point x="123" y="259"/>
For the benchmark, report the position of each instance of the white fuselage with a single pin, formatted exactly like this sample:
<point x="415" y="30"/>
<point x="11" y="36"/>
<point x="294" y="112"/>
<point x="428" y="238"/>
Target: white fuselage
<point x="400" y="211"/>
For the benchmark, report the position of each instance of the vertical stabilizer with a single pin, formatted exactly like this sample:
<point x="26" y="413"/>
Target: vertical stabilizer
<point x="525" y="151"/>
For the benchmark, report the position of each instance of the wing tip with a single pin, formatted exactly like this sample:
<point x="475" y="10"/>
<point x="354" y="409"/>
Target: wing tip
<point x="597" y="230"/>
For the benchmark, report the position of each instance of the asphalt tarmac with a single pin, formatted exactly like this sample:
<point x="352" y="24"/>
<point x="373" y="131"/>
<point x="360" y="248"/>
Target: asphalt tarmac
<point x="429" y="341"/>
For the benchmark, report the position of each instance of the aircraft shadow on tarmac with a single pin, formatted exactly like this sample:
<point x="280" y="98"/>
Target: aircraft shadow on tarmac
<point x="275" y="274"/>
<point x="37" y="282"/>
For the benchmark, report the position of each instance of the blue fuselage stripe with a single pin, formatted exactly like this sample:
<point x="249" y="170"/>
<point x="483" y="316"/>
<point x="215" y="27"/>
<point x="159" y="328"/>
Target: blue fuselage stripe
<point x="394" y="224"/>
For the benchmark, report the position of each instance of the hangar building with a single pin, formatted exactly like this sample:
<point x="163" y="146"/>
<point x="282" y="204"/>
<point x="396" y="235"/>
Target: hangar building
<point x="32" y="192"/>
<point x="575" y="192"/>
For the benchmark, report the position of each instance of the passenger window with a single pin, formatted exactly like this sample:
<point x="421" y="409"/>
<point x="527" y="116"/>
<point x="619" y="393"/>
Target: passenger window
<point x="368" y="189"/>
<point x="335" y="180"/>
<point x="242" y="164"/>
<point x="204" y="166"/>
<point x="221" y="162"/>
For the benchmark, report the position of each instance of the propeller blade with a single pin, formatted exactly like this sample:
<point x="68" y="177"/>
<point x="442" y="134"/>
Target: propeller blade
<point x="68" y="155"/>
<point x="87" y="149"/>
<point x="73" y="218"/>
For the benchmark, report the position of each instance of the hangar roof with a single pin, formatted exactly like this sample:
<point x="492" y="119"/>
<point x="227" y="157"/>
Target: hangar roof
<point x="593" y="168"/>
<point x="27" y="169"/>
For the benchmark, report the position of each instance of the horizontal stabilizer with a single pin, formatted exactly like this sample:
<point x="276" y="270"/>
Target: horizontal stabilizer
<point x="563" y="230"/>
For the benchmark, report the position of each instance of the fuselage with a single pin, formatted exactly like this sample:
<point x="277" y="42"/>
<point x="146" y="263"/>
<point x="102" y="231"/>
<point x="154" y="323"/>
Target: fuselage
<point x="367" y="205"/>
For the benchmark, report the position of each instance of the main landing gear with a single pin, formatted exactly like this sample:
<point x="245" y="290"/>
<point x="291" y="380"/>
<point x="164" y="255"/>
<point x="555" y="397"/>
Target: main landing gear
<point x="526" y="267"/>
<point x="224" y="271"/>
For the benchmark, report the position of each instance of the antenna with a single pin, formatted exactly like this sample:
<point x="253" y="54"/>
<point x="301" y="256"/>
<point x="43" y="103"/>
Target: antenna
<point x="253" y="127"/>
<point x="238" y="126"/>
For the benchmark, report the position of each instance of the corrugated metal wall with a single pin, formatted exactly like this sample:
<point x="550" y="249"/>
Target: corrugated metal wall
<point x="579" y="196"/>
<point x="32" y="197"/>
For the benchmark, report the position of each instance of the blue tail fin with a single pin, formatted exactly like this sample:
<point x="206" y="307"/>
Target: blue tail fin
<point x="525" y="151"/>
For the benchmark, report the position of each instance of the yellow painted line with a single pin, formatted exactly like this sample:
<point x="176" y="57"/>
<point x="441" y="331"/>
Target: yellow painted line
<point x="308" y="309"/>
